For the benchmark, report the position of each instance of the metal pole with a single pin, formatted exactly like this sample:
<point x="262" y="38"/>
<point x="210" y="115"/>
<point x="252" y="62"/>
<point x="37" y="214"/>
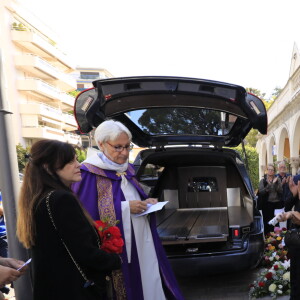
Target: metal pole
<point x="9" y="185"/>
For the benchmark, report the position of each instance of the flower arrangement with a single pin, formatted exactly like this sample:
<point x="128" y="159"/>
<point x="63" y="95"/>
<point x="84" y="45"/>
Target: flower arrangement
<point x="274" y="279"/>
<point x="274" y="247"/>
<point x="110" y="236"/>
<point x="273" y="282"/>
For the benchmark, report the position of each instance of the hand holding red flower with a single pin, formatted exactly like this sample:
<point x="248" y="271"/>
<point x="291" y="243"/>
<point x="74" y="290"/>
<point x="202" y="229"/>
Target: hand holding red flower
<point x="111" y="238"/>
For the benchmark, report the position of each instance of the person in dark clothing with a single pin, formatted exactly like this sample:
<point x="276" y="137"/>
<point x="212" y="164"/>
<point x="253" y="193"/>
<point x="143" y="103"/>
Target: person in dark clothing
<point x="283" y="175"/>
<point x="270" y="193"/>
<point x="67" y="262"/>
<point x="291" y="200"/>
<point x="294" y="252"/>
<point x="286" y="193"/>
<point x="3" y="237"/>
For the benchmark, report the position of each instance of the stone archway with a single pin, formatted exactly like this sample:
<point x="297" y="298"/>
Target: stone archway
<point x="283" y="147"/>
<point x="262" y="158"/>
<point x="270" y="149"/>
<point x="284" y="121"/>
<point x="295" y="146"/>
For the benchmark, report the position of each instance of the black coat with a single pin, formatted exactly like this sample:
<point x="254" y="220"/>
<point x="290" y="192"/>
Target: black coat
<point x="55" y="276"/>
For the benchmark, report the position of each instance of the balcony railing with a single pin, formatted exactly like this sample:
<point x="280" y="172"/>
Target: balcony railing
<point x="38" y="108"/>
<point x="67" y="100"/>
<point x="38" y="86"/>
<point x="69" y="119"/>
<point x="73" y="139"/>
<point x="42" y="69"/>
<point x="43" y="132"/>
<point x="40" y="45"/>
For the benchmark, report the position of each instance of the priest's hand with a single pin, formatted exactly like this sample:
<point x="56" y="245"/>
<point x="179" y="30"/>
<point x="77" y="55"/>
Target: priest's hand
<point x="151" y="200"/>
<point x="137" y="206"/>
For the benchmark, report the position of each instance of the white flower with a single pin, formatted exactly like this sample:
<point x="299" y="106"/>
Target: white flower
<point x="280" y="286"/>
<point x="272" y="271"/>
<point x="271" y="258"/>
<point x="286" y="264"/>
<point x="279" y="292"/>
<point x="286" y="276"/>
<point x="272" y="287"/>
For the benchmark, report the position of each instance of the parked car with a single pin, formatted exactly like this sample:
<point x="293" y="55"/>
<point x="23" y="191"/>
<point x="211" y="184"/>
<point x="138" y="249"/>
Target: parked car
<point x="187" y="126"/>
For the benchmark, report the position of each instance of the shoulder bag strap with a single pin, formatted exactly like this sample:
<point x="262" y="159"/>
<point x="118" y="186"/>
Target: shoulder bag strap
<point x="87" y="282"/>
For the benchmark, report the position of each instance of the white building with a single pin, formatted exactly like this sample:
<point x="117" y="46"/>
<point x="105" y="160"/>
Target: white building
<point x="85" y="76"/>
<point x="283" y="139"/>
<point x="35" y="78"/>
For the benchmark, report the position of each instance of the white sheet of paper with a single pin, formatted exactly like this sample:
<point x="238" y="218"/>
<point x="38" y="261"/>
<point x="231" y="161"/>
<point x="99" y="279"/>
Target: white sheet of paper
<point x="25" y="264"/>
<point x="152" y="207"/>
<point x="277" y="212"/>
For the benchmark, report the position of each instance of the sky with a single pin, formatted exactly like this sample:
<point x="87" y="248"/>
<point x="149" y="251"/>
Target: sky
<point x="243" y="42"/>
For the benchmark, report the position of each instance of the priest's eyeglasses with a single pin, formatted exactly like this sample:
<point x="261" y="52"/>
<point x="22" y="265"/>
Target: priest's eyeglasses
<point x="121" y="148"/>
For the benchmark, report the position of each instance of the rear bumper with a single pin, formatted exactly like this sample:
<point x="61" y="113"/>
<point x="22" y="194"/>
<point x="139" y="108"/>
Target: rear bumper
<point x="213" y="263"/>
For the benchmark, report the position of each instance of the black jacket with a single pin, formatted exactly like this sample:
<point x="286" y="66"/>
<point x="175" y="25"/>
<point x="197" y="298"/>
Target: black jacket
<point x="55" y="276"/>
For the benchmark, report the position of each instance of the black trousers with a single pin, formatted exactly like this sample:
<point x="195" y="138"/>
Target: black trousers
<point x="294" y="254"/>
<point x="268" y="214"/>
<point x="3" y="247"/>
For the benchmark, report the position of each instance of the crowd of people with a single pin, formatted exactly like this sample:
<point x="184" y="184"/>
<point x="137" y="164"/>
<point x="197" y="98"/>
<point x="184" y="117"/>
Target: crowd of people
<point x="279" y="196"/>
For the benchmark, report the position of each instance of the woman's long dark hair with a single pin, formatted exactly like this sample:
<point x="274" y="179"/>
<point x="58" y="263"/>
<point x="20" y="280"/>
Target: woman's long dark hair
<point x="45" y="159"/>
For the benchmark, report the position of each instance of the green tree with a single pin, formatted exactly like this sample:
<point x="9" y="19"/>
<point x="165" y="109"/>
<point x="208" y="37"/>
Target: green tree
<point x="21" y="152"/>
<point x="251" y="138"/>
<point x="268" y="103"/>
<point x="81" y="154"/>
<point x="262" y="96"/>
<point x="256" y="92"/>
<point x="276" y="93"/>
<point x="74" y="93"/>
<point x="178" y="120"/>
<point x="252" y="158"/>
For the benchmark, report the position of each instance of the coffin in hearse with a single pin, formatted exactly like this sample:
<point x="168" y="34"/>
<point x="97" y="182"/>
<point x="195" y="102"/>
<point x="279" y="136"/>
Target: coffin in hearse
<point x="187" y="125"/>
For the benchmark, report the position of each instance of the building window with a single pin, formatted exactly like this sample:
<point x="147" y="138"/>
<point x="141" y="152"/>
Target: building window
<point x="89" y="75"/>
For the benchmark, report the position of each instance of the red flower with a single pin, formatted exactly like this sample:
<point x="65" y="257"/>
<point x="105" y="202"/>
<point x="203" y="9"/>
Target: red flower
<point x="100" y="226"/>
<point x="261" y="284"/>
<point x="275" y="267"/>
<point x="111" y="238"/>
<point x="269" y="275"/>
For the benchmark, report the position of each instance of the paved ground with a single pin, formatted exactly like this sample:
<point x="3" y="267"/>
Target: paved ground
<point x="233" y="286"/>
<point x="10" y="296"/>
<point x="229" y="286"/>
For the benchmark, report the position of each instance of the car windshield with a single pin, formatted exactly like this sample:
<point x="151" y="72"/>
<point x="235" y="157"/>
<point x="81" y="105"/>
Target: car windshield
<point x="183" y="121"/>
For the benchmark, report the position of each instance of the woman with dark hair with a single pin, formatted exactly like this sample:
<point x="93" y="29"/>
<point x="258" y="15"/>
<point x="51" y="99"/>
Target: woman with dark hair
<point x="66" y="259"/>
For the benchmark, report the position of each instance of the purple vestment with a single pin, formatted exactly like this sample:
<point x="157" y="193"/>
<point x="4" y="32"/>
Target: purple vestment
<point x="106" y="185"/>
